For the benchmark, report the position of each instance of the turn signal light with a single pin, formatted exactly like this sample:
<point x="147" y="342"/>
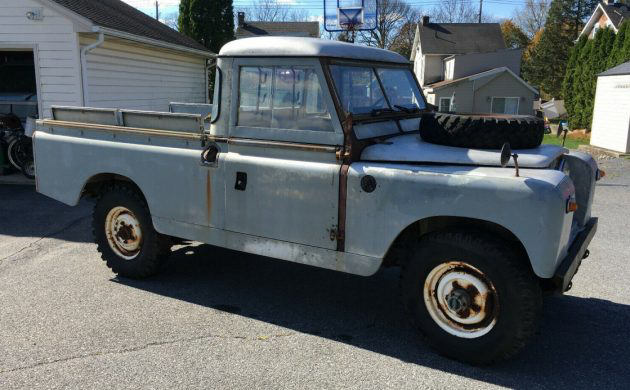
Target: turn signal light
<point x="600" y="174"/>
<point x="572" y="205"/>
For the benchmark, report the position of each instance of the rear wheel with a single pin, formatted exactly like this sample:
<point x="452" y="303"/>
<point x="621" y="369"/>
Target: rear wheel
<point x="124" y="233"/>
<point x="471" y="296"/>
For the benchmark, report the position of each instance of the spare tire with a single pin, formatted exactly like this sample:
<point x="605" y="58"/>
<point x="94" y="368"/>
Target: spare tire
<point x="480" y="131"/>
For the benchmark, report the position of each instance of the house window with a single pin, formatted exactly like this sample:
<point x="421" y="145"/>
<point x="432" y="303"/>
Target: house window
<point x="448" y="69"/>
<point x="445" y="104"/>
<point x="282" y="97"/>
<point x="504" y="105"/>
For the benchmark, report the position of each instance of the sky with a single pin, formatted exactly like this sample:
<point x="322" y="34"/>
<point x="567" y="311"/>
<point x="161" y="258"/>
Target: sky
<point x="498" y="8"/>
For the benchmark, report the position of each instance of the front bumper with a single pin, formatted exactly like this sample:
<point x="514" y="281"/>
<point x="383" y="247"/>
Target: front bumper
<point x="570" y="264"/>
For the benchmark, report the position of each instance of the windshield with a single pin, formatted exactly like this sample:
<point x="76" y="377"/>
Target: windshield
<point x="374" y="90"/>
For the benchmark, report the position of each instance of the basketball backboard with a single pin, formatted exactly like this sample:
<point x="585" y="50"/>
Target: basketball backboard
<point x="354" y="15"/>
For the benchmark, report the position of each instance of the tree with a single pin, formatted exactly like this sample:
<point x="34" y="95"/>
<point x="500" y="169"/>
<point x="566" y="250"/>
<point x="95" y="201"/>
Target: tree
<point x="545" y="66"/>
<point x="583" y="74"/>
<point x="276" y="11"/>
<point x="403" y="41"/>
<point x="455" y="11"/>
<point x="569" y="86"/>
<point x="620" y="52"/>
<point x="209" y="22"/>
<point x="392" y="15"/>
<point x="171" y="20"/>
<point x="532" y="16"/>
<point x="602" y="45"/>
<point x="513" y="36"/>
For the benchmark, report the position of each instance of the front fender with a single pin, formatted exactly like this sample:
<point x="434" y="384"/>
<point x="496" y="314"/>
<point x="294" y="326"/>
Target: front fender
<point x="532" y="207"/>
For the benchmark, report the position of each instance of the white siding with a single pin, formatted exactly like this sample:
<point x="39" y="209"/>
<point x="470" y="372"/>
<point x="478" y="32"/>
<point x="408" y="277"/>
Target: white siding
<point x="433" y="69"/>
<point x="122" y="74"/>
<point x="611" y="115"/>
<point x="56" y="50"/>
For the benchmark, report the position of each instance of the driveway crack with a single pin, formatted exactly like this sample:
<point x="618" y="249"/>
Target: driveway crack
<point x="140" y="348"/>
<point x="49" y="235"/>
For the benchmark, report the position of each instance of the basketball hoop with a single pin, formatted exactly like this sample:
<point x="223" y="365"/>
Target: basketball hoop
<point x="349" y="15"/>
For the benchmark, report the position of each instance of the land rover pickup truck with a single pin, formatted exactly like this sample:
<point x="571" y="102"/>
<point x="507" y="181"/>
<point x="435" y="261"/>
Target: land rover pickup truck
<point x="324" y="153"/>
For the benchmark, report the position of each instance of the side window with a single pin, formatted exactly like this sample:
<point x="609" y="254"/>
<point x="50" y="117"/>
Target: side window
<point x="282" y="97"/>
<point x="445" y="104"/>
<point x="255" y="96"/>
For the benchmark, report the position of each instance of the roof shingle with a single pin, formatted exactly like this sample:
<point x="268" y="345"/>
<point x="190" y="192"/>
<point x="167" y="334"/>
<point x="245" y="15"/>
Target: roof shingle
<point x="287" y="29"/>
<point x="120" y="16"/>
<point x="618" y="70"/>
<point x="460" y="38"/>
<point x="617" y="13"/>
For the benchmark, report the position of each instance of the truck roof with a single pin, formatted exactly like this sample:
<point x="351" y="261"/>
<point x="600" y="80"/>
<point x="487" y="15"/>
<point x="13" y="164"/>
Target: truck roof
<point x="306" y="47"/>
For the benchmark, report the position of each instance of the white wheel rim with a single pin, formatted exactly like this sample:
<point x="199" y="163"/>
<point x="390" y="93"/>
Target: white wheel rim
<point x="461" y="300"/>
<point x="123" y="232"/>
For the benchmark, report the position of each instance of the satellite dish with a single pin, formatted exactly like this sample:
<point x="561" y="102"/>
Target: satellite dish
<point x="506" y="153"/>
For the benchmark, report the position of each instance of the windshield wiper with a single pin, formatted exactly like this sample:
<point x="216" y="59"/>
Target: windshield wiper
<point x="379" y="111"/>
<point x="407" y="109"/>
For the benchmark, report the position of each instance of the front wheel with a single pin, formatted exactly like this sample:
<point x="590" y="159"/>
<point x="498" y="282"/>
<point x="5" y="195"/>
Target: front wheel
<point x="124" y="233"/>
<point x="471" y="296"/>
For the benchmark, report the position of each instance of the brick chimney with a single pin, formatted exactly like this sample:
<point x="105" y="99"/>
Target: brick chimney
<point x="241" y="19"/>
<point x="425" y="20"/>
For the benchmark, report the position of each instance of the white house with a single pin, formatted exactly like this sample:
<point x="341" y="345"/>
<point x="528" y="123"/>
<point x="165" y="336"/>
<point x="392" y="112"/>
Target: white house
<point x="608" y="13"/>
<point x="101" y="53"/>
<point x="465" y="68"/>
<point x="611" y="115"/>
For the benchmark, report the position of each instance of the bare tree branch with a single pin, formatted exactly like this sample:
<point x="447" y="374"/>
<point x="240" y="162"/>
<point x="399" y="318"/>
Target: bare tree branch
<point x="532" y="16"/>
<point x="455" y="11"/>
<point x="275" y="11"/>
<point x="392" y="14"/>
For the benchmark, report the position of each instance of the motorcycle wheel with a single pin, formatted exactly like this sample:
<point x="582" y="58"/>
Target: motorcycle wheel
<point x="28" y="169"/>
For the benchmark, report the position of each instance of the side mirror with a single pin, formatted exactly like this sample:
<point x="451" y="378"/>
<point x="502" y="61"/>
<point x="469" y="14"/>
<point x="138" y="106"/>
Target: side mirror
<point x="506" y="153"/>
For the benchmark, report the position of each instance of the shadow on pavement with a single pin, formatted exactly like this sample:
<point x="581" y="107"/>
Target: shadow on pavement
<point x="584" y="342"/>
<point x="25" y="213"/>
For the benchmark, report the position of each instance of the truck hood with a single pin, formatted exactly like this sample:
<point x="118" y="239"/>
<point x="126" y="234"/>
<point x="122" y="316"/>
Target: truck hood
<point x="411" y="148"/>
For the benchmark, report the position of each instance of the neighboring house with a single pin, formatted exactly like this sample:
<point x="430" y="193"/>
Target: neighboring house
<point x="611" y="115"/>
<point x="465" y="67"/>
<point x="99" y="53"/>
<point x="246" y="29"/>
<point x="608" y="13"/>
<point x="553" y="109"/>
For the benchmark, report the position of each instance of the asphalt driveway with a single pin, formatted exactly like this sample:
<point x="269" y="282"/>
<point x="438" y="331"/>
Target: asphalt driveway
<point x="220" y="319"/>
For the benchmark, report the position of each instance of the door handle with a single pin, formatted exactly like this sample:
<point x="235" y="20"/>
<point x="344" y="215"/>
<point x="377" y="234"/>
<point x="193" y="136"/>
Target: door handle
<point x="209" y="156"/>
<point x="241" y="181"/>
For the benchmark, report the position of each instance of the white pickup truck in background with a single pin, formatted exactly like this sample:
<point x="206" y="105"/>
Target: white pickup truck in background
<point x="324" y="153"/>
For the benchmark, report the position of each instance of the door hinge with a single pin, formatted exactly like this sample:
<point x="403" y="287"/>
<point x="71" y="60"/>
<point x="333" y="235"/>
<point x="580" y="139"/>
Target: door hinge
<point x="335" y="234"/>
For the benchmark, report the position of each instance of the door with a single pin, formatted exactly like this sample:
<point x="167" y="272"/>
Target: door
<point x="281" y="170"/>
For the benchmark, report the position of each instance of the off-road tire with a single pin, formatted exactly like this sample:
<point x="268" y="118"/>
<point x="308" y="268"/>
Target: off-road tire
<point x="482" y="132"/>
<point x="155" y="247"/>
<point x="518" y="291"/>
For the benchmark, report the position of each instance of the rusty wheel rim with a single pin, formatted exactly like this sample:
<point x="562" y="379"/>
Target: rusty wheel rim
<point x="123" y="232"/>
<point x="461" y="299"/>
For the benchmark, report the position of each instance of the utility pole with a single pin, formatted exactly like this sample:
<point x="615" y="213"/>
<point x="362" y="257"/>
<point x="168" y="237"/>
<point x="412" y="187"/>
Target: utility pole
<point x="157" y="10"/>
<point x="480" y="8"/>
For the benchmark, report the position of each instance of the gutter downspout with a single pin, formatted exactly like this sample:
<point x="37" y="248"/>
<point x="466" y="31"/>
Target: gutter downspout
<point x="84" y="75"/>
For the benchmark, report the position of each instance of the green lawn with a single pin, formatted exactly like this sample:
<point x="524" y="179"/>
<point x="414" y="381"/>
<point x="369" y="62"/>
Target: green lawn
<point x="572" y="141"/>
